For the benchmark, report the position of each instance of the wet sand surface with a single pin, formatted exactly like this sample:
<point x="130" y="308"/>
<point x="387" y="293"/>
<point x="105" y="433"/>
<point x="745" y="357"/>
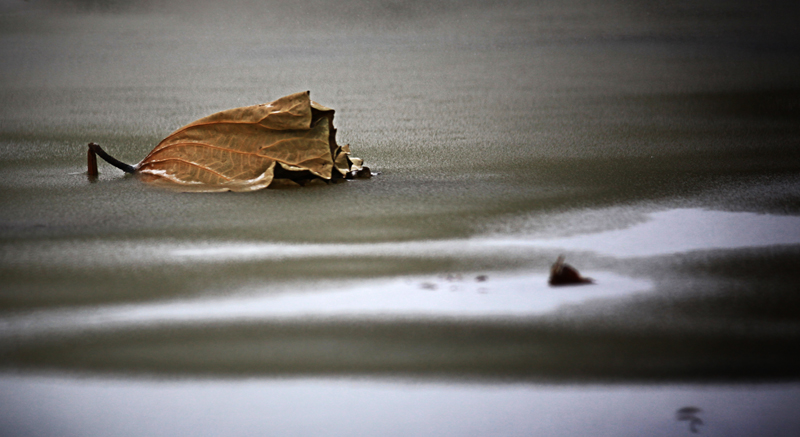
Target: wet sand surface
<point x="656" y="147"/>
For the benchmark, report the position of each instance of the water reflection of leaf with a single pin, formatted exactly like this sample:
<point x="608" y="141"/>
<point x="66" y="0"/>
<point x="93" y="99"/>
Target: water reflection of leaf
<point x="689" y="414"/>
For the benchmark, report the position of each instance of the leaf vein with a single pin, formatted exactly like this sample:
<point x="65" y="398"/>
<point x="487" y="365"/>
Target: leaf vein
<point x="291" y="139"/>
<point x="210" y="146"/>
<point x="202" y="167"/>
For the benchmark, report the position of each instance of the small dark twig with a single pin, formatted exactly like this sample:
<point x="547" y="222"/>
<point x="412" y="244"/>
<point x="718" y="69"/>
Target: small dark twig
<point x="95" y="148"/>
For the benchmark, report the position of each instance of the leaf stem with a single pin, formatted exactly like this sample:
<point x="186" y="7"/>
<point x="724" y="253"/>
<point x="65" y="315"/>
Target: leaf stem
<point x="92" y="164"/>
<point x="95" y="148"/>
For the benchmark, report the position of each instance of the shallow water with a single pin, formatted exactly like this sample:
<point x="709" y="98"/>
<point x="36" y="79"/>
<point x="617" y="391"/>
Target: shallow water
<point x="97" y="407"/>
<point x="656" y="147"/>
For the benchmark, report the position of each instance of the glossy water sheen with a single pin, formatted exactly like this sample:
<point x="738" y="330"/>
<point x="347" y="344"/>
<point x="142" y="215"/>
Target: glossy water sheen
<point x="310" y="407"/>
<point x="653" y="145"/>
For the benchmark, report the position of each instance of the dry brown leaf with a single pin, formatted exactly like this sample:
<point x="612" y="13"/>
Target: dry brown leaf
<point x="246" y="149"/>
